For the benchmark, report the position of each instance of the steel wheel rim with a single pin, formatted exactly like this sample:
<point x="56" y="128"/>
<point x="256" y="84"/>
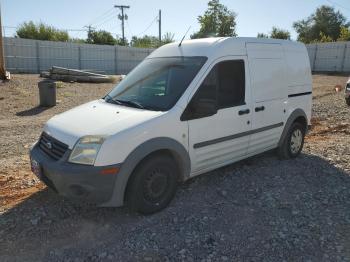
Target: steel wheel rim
<point x="155" y="186"/>
<point x="296" y="141"/>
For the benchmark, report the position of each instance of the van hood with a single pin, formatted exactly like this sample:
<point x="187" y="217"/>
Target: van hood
<point x="95" y="118"/>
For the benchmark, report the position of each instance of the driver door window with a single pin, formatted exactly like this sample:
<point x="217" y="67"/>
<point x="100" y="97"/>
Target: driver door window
<point x="223" y="87"/>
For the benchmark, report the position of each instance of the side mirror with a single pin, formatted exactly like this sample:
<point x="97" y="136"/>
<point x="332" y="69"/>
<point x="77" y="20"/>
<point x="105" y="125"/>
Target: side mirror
<point x="204" y="108"/>
<point x="199" y="108"/>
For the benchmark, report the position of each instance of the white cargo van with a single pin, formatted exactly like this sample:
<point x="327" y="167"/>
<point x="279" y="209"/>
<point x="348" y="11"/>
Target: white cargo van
<point x="185" y="110"/>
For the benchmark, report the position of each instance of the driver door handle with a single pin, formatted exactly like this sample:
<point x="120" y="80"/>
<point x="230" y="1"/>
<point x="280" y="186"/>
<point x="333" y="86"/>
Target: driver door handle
<point x="259" y="108"/>
<point x="243" y="112"/>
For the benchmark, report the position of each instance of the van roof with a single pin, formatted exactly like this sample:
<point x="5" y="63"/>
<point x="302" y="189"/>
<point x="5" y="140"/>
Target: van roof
<point x="218" y="46"/>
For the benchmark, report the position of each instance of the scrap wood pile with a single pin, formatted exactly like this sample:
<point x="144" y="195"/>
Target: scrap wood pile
<point x="74" y="75"/>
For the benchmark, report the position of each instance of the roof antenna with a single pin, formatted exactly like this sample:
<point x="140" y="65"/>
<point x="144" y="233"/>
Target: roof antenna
<point x="184" y="36"/>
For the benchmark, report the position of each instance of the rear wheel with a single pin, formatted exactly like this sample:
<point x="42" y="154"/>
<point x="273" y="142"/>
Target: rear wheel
<point x="293" y="142"/>
<point x="347" y="100"/>
<point x="153" y="184"/>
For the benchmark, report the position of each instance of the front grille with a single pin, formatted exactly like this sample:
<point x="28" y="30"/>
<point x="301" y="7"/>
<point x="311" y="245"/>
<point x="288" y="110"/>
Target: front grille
<point x="52" y="146"/>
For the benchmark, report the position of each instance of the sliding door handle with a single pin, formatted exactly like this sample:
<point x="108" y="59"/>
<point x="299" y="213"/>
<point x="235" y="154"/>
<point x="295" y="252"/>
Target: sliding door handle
<point x="243" y="112"/>
<point x="259" y="108"/>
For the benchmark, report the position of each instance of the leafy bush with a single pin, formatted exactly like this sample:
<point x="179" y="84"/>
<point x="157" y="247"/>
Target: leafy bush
<point x="41" y="31"/>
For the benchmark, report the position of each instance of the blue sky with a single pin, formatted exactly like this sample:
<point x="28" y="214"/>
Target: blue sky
<point x="253" y="15"/>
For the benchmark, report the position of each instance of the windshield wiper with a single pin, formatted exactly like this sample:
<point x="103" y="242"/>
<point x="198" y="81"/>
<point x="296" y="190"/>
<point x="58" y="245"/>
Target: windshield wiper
<point x="129" y="103"/>
<point x="109" y="99"/>
<point x="125" y="102"/>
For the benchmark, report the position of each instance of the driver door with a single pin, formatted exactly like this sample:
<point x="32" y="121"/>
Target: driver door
<point x="221" y="136"/>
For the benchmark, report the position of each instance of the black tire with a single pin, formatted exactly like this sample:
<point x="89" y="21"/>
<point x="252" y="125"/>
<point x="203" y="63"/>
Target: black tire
<point x="153" y="184"/>
<point x="287" y="150"/>
<point x="347" y="101"/>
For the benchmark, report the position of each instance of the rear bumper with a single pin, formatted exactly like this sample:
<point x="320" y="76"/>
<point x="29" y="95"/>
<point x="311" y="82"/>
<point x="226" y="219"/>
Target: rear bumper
<point x="82" y="182"/>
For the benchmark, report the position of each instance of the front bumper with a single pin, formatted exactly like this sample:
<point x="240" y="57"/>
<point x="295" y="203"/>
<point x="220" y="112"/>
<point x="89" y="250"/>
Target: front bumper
<point x="70" y="180"/>
<point x="347" y="94"/>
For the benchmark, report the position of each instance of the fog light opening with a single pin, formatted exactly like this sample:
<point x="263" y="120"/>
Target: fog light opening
<point x="78" y="190"/>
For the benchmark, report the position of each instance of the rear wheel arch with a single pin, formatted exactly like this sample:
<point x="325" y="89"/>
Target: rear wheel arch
<point x="298" y="115"/>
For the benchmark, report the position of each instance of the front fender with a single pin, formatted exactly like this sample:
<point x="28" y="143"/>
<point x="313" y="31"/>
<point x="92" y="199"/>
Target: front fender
<point x="137" y="155"/>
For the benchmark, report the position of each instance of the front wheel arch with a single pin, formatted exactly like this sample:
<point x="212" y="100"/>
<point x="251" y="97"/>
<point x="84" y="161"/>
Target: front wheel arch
<point x="161" y="144"/>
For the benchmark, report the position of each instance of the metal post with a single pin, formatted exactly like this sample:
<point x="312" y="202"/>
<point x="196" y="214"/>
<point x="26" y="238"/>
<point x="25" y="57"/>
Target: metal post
<point x="2" y="59"/>
<point x="344" y="56"/>
<point x="79" y="57"/>
<point x="116" y="59"/>
<point x="160" y="26"/>
<point x="315" y="57"/>
<point x="37" y="56"/>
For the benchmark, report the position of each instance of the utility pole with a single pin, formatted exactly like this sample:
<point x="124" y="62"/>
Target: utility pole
<point x="3" y="74"/>
<point x="160" y="26"/>
<point x="122" y="17"/>
<point x="90" y="29"/>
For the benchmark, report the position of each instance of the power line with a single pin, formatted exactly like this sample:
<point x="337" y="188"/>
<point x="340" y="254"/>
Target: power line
<point x="65" y="29"/>
<point x="127" y="24"/>
<point x="105" y="20"/>
<point x="95" y="20"/>
<point x="148" y="27"/>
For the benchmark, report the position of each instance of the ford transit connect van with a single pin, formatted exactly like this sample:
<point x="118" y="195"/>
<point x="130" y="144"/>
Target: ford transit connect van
<point x="185" y="110"/>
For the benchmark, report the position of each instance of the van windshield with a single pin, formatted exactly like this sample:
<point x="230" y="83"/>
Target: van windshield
<point x="156" y="83"/>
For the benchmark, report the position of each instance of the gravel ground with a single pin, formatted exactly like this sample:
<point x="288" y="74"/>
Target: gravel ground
<point x="260" y="209"/>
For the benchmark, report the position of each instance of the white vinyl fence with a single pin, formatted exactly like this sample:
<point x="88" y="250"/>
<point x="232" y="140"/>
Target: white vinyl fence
<point x="329" y="57"/>
<point x="33" y="56"/>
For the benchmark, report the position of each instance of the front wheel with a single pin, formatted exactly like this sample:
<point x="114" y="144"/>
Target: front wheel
<point x="153" y="184"/>
<point x="293" y="142"/>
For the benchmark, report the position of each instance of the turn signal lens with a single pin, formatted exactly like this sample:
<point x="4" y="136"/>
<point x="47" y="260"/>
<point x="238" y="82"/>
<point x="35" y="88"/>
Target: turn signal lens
<point x="109" y="171"/>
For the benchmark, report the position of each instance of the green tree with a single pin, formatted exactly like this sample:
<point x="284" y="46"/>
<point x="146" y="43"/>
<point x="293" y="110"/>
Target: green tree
<point x="151" y="41"/>
<point x="324" y="38"/>
<point x="325" y="20"/>
<point x="41" y="31"/>
<point x="216" y="21"/>
<point x="145" y="41"/>
<point x="262" y="35"/>
<point x="344" y="34"/>
<point x="278" y="33"/>
<point x="167" y="38"/>
<point x="100" y="37"/>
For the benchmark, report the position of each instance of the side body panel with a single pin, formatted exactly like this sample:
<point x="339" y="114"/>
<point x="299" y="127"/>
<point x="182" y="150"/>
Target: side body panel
<point x="299" y="80"/>
<point x="269" y="94"/>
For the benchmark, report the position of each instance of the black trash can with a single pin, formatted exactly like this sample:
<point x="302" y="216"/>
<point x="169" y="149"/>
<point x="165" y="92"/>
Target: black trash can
<point x="47" y="93"/>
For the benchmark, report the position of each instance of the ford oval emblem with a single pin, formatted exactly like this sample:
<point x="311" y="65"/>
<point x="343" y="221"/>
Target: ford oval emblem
<point x="49" y="145"/>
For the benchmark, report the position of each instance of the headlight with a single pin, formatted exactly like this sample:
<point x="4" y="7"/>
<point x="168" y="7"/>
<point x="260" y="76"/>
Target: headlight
<point x="85" y="151"/>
